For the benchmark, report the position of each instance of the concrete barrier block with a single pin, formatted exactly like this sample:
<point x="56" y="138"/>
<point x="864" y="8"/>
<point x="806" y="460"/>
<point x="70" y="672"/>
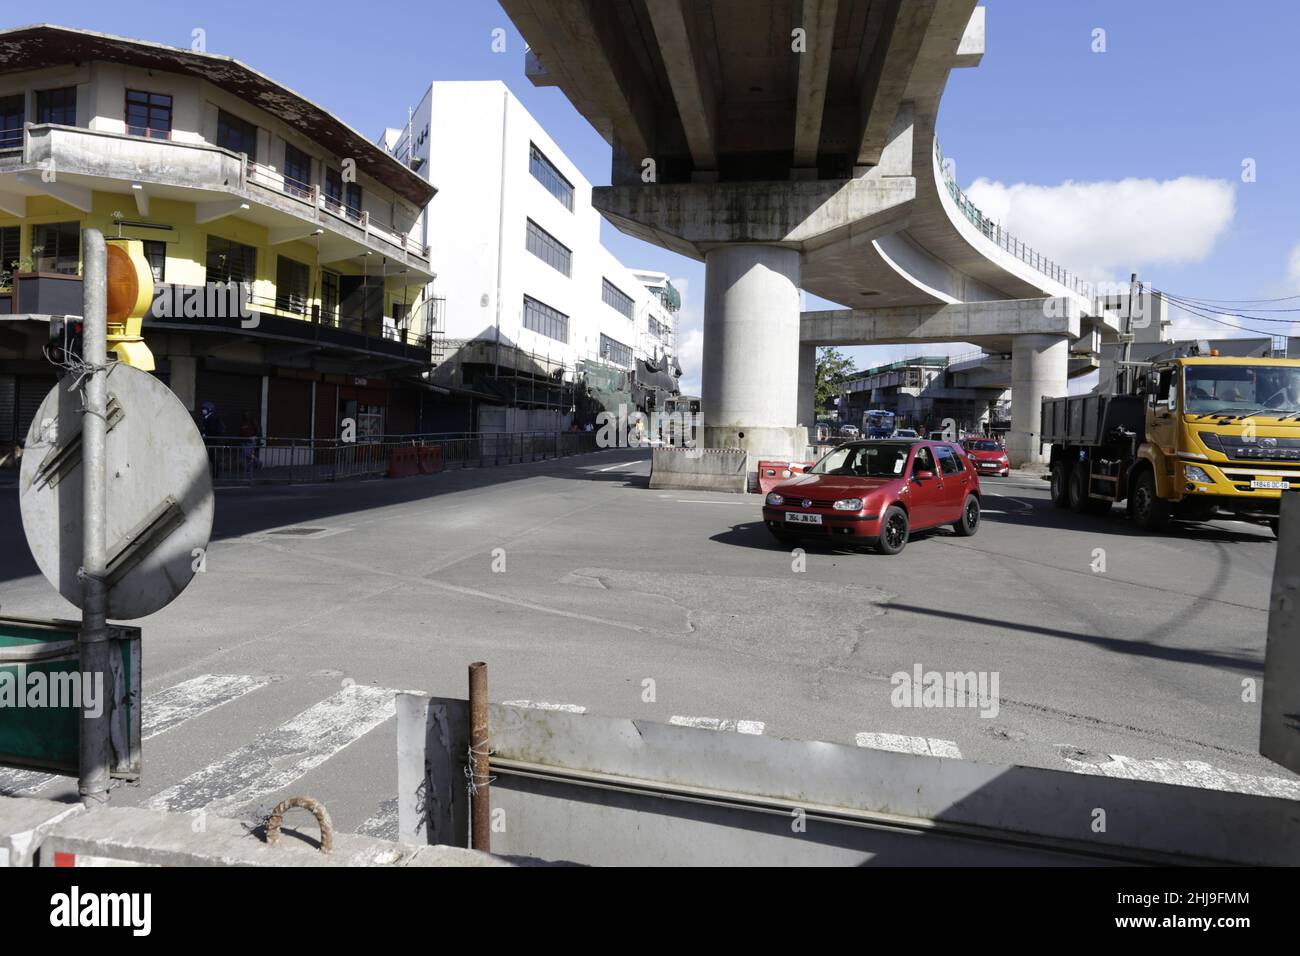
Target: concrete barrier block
<point x="129" y="836"/>
<point x="700" y="469"/>
<point x="25" y="822"/>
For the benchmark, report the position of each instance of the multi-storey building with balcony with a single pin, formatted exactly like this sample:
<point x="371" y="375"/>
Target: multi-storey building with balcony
<point x="543" y="322"/>
<point x="226" y="177"/>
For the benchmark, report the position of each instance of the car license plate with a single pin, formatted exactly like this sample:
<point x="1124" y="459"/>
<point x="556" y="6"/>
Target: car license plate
<point x="1275" y="485"/>
<point x="793" y="517"/>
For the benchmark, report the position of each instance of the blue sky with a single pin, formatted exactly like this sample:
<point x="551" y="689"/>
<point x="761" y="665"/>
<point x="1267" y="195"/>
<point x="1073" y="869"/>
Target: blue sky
<point x="1185" y="91"/>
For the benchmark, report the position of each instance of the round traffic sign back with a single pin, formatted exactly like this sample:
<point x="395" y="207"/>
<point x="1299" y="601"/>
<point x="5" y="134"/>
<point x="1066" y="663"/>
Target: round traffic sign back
<point x="159" y="493"/>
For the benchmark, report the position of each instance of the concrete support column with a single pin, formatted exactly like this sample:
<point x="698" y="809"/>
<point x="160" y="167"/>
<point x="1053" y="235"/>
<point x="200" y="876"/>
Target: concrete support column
<point x="1039" y="364"/>
<point x="750" y="381"/>
<point x="183" y="379"/>
<point x="807" y="409"/>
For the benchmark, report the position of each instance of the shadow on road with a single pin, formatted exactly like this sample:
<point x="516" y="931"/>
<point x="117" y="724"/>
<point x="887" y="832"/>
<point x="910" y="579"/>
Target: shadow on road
<point x="241" y="511"/>
<point x="1140" y="648"/>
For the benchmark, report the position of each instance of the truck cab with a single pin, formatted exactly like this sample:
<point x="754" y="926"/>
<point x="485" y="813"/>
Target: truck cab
<point x="1200" y="437"/>
<point x="1222" y="436"/>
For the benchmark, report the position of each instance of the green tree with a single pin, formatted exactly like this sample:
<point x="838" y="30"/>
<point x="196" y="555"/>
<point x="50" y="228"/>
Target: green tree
<point x="833" y="369"/>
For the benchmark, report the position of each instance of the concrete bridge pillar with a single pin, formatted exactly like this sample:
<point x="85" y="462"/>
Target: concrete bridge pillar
<point x="808" y="386"/>
<point x="750" y="385"/>
<point x="1039" y="366"/>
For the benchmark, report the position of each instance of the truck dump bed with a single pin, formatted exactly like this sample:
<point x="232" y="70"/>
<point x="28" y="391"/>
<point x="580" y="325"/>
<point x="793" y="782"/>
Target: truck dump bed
<point x="1090" y="419"/>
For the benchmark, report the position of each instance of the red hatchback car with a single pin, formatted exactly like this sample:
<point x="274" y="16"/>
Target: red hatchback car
<point x="877" y="493"/>
<point x="987" y="455"/>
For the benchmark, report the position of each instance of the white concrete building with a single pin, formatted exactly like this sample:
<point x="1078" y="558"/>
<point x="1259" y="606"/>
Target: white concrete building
<point x="515" y="243"/>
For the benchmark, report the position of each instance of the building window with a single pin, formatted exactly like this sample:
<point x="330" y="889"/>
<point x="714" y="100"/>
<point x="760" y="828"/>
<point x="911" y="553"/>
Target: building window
<point x="660" y="330"/>
<point x="616" y="299"/>
<point x="231" y="261"/>
<point x="236" y="135"/>
<point x="297" y="171"/>
<point x="329" y="296"/>
<point x="544" y="320"/>
<point x="549" y="249"/>
<point x="155" y="254"/>
<point x="615" y="351"/>
<point x="546" y="174"/>
<point x="57" y="106"/>
<point x="13" y="113"/>
<point x="291" y="281"/>
<point x="148" y="114"/>
<point x="342" y="199"/>
<point x="10" y="243"/>
<point x="56" y="247"/>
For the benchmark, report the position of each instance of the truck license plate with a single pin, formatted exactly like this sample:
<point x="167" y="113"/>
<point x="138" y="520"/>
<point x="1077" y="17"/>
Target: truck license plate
<point x="1275" y="485"/>
<point x="792" y="517"/>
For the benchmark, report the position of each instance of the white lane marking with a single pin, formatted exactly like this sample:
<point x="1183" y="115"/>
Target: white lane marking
<point x="543" y="705"/>
<point x="160" y="713"/>
<point x="278" y="757"/>
<point x="189" y="699"/>
<point x="383" y="824"/>
<point x="1189" y="773"/>
<point x="719" y="723"/>
<point x="903" y="744"/>
<point x="623" y="465"/>
<point x="529" y="605"/>
<point x="709" y="501"/>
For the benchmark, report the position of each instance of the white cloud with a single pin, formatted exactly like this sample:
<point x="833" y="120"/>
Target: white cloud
<point x="1293" y="264"/>
<point x="690" y="338"/>
<point x="1103" y="230"/>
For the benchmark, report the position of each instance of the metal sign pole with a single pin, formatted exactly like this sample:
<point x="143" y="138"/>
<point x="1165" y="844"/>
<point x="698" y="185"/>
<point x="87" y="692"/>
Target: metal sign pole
<point x="93" y="638"/>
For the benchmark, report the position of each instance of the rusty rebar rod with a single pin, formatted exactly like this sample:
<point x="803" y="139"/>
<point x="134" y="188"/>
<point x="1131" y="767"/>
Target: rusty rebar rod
<point x="480" y="807"/>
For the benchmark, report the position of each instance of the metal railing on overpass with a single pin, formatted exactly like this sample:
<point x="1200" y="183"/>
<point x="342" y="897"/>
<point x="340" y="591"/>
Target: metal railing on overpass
<point x="247" y="461"/>
<point x="995" y="233"/>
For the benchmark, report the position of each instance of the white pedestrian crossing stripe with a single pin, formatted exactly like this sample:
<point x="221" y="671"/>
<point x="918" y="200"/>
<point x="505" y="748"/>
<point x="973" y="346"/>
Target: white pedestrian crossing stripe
<point x="278" y="757"/>
<point x="1188" y="773"/>
<point x="903" y="744"/>
<point x="160" y="713"/>
<point x="719" y="723"/>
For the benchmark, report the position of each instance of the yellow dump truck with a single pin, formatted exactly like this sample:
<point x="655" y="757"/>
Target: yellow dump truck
<point x="1196" y="437"/>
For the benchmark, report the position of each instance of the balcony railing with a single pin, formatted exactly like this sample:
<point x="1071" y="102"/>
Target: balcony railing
<point x="994" y="232"/>
<point x="74" y="149"/>
<point x="268" y="177"/>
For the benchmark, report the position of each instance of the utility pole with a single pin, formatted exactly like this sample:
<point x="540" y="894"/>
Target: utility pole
<point x="95" y="747"/>
<point x="1124" y="376"/>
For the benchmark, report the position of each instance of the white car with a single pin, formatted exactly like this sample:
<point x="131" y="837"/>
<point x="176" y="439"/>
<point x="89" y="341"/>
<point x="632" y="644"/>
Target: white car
<point x="905" y="433"/>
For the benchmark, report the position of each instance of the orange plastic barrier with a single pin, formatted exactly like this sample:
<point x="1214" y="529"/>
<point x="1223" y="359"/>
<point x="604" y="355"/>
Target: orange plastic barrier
<point x="403" y="462"/>
<point x="430" y="460"/>
<point x="772" y="473"/>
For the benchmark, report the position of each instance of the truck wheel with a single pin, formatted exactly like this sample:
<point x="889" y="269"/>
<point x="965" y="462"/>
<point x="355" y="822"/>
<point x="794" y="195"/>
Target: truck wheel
<point x="1149" y="511"/>
<point x="969" y="522"/>
<point x="893" y="531"/>
<point x="1061" y="484"/>
<point x="1079" y="487"/>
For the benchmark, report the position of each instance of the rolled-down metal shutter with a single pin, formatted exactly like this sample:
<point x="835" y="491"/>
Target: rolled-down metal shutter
<point x="288" y="408"/>
<point x="32" y="390"/>
<point x="234" y="396"/>
<point x="8" y="408"/>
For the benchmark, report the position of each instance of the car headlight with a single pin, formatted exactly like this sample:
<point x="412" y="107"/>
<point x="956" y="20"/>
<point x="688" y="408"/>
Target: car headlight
<point x="774" y="499"/>
<point x="1197" y="473"/>
<point x="849" y="504"/>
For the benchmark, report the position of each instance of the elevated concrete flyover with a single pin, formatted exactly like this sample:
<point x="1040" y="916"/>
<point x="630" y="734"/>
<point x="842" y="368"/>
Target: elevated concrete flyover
<point x="789" y="144"/>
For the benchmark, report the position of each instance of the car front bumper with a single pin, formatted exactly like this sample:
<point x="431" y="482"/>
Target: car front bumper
<point x="835" y="524"/>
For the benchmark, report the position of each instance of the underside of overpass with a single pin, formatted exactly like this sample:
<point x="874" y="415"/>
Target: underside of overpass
<point x="790" y="145"/>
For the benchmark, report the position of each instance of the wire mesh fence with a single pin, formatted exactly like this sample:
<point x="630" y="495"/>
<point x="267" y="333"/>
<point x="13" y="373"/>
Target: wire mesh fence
<point x="246" y="461"/>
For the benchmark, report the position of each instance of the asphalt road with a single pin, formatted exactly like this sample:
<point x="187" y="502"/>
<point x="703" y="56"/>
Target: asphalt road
<point x="273" y="673"/>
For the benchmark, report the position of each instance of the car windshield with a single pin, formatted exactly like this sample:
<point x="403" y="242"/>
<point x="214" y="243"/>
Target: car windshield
<point x="864" y="461"/>
<point x="1242" y="389"/>
<point x="983" y="446"/>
